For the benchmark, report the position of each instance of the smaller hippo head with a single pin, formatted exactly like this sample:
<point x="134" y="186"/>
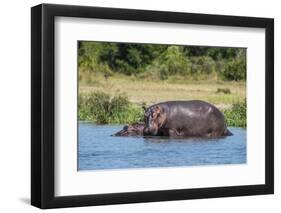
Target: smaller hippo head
<point x="154" y="118"/>
<point x="135" y="129"/>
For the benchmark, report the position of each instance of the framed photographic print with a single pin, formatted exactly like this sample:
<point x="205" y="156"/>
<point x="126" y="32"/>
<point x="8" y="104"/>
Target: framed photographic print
<point x="139" y="106"/>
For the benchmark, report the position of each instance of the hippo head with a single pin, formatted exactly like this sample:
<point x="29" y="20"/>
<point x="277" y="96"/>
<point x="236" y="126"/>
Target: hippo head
<point x="154" y="118"/>
<point x="135" y="129"/>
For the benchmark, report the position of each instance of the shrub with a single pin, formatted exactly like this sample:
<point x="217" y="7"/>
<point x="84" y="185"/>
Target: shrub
<point x="223" y="90"/>
<point x="237" y="115"/>
<point x="173" y="61"/>
<point x="203" y="65"/>
<point x="235" y="68"/>
<point x="102" y="108"/>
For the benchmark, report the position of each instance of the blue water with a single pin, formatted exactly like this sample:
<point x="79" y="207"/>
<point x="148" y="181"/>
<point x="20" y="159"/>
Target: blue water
<point x="97" y="149"/>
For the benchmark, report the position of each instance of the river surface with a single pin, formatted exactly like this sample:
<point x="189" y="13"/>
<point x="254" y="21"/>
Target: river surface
<point x="98" y="150"/>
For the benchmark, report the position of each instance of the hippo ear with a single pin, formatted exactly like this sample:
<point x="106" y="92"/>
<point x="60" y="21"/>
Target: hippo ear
<point x="158" y="110"/>
<point x="160" y="115"/>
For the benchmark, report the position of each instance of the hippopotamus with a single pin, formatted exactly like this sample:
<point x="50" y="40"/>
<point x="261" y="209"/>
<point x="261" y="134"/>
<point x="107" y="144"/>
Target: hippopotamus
<point x="135" y="129"/>
<point x="185" y="119"/>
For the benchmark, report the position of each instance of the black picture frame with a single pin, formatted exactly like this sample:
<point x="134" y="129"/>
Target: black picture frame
<point x="43" y="110"/>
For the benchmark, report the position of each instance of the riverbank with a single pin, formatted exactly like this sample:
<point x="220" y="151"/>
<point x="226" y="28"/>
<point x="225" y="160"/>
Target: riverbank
<point x="121" y="99"/>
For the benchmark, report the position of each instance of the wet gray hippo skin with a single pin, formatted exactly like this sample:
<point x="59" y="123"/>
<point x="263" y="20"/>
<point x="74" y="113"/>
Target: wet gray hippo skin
<point x="135" y="129"/>
<point x="185" y="119"/>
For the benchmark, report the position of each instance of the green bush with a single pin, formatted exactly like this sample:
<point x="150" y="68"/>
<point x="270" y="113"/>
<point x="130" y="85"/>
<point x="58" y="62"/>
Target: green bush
<point x="223" y="90"/>
<point x="88" y="56"/>
<point x="154" y="71"/>
<point x="235" y="68"/>
<point x="101" y="108"/>
<point x="237" y="115"/>
<point x="173" y="61"/>
<point x="170" y="63"/>
<point x="203" y="65"/>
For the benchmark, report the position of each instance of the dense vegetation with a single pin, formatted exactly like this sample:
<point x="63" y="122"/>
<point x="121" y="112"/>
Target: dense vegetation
<point x="161" y="61"/>
<point x="237" y="115"/>
<point x="102" y="108"/>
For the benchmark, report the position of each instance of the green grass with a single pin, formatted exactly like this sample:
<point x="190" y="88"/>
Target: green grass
<point x="152" y="91"/>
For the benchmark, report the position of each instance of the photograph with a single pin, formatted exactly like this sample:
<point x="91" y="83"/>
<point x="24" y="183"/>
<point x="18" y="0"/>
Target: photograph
<point x="137" y="105"/>
<point x="148" y="105"/>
